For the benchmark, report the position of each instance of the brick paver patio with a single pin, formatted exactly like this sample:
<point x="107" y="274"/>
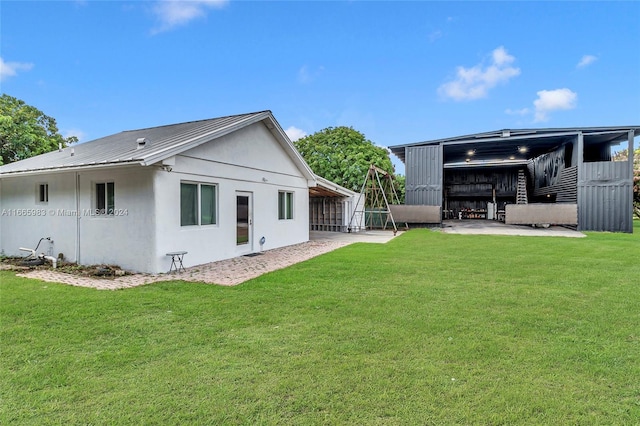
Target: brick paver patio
<point x="225" y="272"/>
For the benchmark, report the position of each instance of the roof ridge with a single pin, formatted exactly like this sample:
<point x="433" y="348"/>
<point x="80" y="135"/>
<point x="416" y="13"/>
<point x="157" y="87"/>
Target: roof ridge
<point x="198" y="121"/>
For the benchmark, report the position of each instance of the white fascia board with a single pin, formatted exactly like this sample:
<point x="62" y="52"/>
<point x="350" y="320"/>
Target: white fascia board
<point x="288" y="146"/>
<point x="327" y="184"/>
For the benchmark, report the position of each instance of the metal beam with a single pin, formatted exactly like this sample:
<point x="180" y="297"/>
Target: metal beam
<point x="509" y="138"/>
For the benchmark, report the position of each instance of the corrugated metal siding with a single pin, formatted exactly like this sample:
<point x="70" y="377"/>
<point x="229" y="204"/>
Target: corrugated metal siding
<point x="605" y="197"/>
<point x="424" y="175"/>
<point x="566" y="188"/>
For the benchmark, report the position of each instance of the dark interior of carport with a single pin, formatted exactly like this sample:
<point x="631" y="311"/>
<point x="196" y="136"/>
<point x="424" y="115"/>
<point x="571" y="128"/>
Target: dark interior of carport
<point x="328" y="209"/>
<point x="477" y="176"/>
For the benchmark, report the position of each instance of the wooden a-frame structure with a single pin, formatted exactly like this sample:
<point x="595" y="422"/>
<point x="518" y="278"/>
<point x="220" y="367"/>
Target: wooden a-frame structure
<point x="379" y="192"/>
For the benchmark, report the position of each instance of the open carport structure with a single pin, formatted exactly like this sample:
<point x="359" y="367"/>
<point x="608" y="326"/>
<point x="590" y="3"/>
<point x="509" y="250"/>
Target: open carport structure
<point x="331" y="206"/>
<point x="563" y="176"/>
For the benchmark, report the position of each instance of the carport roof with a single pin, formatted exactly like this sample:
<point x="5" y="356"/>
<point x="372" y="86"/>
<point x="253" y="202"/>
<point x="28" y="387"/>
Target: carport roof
<point x="326" y="188"/>
<point x="516" y="146"/>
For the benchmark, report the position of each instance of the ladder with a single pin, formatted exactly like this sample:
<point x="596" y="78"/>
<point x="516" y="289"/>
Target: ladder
<point x="521" y="191"/>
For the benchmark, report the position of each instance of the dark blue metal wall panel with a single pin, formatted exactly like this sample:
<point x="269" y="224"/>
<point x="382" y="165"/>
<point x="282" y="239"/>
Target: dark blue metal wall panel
<point x="605" y="196"/>
<point x="424" y="175"/>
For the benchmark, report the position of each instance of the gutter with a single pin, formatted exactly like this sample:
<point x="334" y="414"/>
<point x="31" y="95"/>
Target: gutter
<point x="60" y="169"/>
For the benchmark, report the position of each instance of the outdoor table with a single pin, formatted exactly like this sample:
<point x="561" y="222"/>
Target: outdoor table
<point x="176" y="260"/>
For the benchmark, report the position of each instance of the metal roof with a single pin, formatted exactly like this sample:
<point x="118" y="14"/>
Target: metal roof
<point x="516" y="145"/>
<point x="160" y="143"/>
<point x="326" y="188"/>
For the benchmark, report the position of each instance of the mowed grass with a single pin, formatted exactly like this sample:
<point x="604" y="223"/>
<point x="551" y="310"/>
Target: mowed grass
<point x="430" y="328"/>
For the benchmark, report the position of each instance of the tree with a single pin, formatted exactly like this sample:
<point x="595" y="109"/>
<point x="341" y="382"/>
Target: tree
<point x="26" y="131"/>
<point x="624" y="156"/>
<point x="343" y="155"/>
<point x="401" y="181"/>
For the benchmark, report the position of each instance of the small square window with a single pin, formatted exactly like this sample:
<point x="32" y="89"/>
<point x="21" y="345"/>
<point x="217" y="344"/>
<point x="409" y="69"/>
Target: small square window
<point x="43" y="193"/>
<point x="105" y="198"/>
<point x="285" y="205"/>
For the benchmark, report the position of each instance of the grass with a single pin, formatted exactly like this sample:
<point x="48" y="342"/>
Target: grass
<point x="430" y="328"/>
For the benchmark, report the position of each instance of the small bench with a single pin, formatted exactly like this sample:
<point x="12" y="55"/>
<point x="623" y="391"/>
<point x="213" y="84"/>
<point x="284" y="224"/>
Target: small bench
<point x="176" y="261"/>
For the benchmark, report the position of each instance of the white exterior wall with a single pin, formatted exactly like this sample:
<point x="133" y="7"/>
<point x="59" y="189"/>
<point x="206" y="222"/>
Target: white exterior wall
<point x="127" y="238"/>
<point x="353" y="213"/>
<point x="248" y="160"/>
<point x="24" y="220"/>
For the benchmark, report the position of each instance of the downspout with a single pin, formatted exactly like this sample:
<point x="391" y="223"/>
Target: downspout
<point x="78" y="216"/>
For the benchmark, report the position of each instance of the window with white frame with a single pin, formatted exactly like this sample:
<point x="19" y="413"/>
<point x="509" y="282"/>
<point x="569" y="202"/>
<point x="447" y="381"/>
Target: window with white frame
<point x="105" y="198"/>
<point x="43" y="193"/>
<point x="285" y="205"/>
<point x="198" y="204"/>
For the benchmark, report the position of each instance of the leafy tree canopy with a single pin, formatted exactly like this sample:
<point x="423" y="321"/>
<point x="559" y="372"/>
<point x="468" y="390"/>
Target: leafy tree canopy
<point x="343" y="155"/>
<point x="26" y="131"/>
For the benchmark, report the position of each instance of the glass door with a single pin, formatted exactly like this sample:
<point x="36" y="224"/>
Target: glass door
<point x="244" y="222"/>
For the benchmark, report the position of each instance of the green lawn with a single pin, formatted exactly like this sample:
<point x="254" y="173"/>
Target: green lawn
<point x="430" y="328"/>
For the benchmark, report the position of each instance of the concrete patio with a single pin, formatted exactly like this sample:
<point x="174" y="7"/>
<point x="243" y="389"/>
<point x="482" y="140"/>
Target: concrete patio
<point x="227" y="272"/>
<point x="493" y="227"/>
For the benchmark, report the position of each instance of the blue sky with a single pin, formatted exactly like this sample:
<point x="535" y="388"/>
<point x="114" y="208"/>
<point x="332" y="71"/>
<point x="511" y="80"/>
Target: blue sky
<point x="399" y="72"/>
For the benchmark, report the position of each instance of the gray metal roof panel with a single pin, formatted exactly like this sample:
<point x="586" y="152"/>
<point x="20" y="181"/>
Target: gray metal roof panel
<point x="162" y="142"/>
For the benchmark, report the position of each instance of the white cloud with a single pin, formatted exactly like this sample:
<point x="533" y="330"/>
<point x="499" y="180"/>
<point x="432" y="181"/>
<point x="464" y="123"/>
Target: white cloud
<point x="553" y="100"/>
<point x="522" y="111"/>
<point x="75" y="132"/>
<point x="294" y="133"/>
<point x="475" y="82"/>
<point x="10" y="69"/>
<point x="305" y="75"/>
<point x="172" y="13"/>
<point x="435" y="35"/>
<point x="586" y="60"/>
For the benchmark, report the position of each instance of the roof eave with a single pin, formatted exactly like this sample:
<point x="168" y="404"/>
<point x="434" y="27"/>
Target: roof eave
<point x="71" y="168"/>
<point x="290" y="148"/>
<point x="334" y="187"/>
<point x="523" y="134"/>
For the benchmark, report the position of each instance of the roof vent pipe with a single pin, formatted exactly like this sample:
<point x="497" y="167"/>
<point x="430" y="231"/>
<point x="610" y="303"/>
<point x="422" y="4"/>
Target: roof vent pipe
<point x="59" y="146"/>
<point x="141" y="142"/>
<point x="73" y="151"/>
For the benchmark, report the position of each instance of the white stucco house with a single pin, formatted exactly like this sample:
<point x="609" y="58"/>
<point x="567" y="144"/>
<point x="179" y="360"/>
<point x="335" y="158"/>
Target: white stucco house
<point x="216" y="188"/>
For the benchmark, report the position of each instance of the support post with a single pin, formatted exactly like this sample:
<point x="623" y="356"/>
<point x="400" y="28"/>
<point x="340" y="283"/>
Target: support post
<point x="630" y="137"/>
<point x="580" y="179"/>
